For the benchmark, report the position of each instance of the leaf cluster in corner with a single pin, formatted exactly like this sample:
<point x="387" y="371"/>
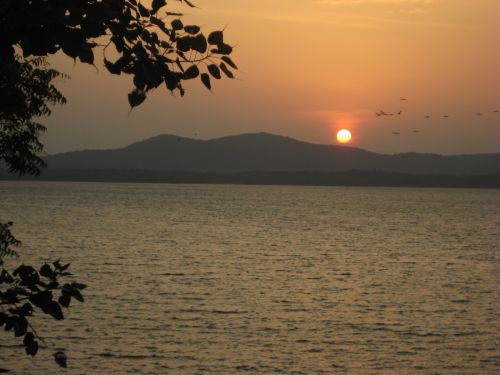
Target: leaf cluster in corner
<point x="27" y="291"/>
<point x="149" y="43"/>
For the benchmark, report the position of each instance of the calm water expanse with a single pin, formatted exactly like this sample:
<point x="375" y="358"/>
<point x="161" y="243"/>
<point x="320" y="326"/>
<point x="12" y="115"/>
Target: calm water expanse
<point x="196" y="279"/>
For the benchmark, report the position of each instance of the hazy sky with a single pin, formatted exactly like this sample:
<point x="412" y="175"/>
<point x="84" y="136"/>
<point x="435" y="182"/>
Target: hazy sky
<point x="309" y="68"/>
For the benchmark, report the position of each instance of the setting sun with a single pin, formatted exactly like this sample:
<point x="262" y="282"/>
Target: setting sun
<point x="344" y="136"/>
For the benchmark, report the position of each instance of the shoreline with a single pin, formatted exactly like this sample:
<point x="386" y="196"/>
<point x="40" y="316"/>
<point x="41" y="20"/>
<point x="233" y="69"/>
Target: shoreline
<point x="288" y="178"/>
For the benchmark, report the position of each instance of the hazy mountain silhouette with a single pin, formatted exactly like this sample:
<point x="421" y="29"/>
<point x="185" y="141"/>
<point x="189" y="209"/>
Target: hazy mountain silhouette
<point x="265" y="152"/>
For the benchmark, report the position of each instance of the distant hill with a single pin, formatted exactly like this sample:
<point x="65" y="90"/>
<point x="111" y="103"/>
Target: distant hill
<point x="265" y="153"/>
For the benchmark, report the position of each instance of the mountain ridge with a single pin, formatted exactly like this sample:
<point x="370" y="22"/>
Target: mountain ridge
<point x="266" y="152"/>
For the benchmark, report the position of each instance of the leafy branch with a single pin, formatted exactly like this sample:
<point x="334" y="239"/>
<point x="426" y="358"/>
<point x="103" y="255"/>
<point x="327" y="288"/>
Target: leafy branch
<point x="150" y="43"/>
<point x="26" y="291"/>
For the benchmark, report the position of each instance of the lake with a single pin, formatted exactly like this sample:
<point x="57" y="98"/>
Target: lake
<point x="200" y="279"/>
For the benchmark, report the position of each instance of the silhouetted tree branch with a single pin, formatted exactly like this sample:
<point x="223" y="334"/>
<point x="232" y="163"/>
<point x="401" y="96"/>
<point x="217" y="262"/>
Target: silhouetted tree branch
<point x="140" y="39"/>
<point x="27" y="92"/>
<point x="149" y="43"/>
<point x="26" y="292"/>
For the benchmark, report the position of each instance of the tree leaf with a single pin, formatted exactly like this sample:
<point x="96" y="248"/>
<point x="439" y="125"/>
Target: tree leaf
<point x="152" y="74"/>
<point x="31" y="346"/>
<point x="143" y="10"/>
<point x="29" y="276"/>
<point x="171" y="80"/>
<point x="23" y="271"/>
<point x="156" y="5"/>
<point x="177" y="24"/>
<point x="223" y="49"/>
<point x="77" y="295"/>
<point x="20" y="326"/>
<point x="191" y="72"/>
<point x="216" y="38"/>
<point x="214" y="71"/>
<point x="63" y="268"/>
<point x="184" y="43"/>
<point x="5" y="277"/>
<point x="28" y="338"/>
<point x="205" y="78"/>
<point x="226" y="70"/>
<point x="54" y="310"/>
<point x="112" y="68"/>
<point x="86" y="55"/>
<point x="60" y="359"/>
<point x="46" y="271"/>
<point x="78" y="285"/>
<point x="24" y="310"/>
<point x="32" y="349"/>
<point x="41" y="299"/>
<point x="65" y="299"/>
<point x="160" y="24"/>
<point x="192" y="29"/>
<point x="199" y="43"/>
<point x="136" y="97"/>
<point x="228" y="61"/>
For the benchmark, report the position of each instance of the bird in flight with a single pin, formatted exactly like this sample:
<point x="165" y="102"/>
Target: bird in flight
<point x="395" y="133"/>
<point x="495" y="111"/>
<point x="446" y="116"/>
<point x="399" y="113"/>
<point x="416" y="131"/>
<point x="427" y="116"/>
<point x="479" y="114"/>
<point x="403" y="99"/>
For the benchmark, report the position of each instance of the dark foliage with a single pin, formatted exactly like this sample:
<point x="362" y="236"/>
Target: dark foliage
<point x="7" y="242"/>
<point x="27" y="91"/>
<point x="148" y="42"/>
<point x="27" y="291"/>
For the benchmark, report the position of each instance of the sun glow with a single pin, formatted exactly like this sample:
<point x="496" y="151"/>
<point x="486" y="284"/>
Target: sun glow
<point x="344" y="136"/>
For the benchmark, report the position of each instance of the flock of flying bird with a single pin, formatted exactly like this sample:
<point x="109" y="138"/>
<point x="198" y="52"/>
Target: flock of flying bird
<point x="383" y="113"/>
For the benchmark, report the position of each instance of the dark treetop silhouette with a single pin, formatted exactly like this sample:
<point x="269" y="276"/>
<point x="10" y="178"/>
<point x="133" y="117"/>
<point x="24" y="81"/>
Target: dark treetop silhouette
<point x="147" y="42"/>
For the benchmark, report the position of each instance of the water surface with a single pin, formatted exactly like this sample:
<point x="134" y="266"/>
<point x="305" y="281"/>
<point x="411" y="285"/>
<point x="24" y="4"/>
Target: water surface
<point x="198" y="279"/>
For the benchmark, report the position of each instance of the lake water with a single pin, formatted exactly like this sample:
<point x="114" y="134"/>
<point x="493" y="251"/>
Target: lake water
<point x="199" y="279"/>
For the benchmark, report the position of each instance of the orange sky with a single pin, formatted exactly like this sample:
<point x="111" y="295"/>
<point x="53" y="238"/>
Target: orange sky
<point x="309" y="68"/>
